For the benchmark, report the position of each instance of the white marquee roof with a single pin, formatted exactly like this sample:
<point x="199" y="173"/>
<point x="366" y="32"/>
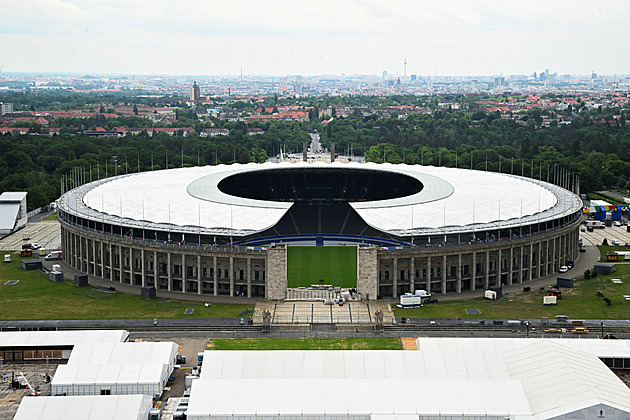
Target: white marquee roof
<point x="187" y="199"/>
<point x="534" y="379"/>
<point x="117" y="363"/>
<point x="89" y="407"/>
<point x="596" y="347"/>
<point x="60" y="338"/>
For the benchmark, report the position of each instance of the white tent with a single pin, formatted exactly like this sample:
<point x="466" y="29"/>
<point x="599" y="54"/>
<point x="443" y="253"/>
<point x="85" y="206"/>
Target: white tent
<point x="116" y="369"/>
<point x="60" y="338"/>
<point x="531" y="379"/>
<point x="105" y="407"/>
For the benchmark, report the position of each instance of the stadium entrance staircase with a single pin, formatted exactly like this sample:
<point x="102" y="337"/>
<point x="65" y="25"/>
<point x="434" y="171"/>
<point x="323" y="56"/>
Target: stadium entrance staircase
<point x="310" y="313"/>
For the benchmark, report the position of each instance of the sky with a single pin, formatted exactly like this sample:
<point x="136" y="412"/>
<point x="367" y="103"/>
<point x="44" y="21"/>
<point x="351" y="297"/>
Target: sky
<point x="209" y="37"/>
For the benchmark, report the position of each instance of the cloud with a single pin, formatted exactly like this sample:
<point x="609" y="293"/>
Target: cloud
<point x="329" y="36"/>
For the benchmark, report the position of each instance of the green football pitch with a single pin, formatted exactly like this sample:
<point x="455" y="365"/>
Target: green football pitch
<point x="336" y="265"/>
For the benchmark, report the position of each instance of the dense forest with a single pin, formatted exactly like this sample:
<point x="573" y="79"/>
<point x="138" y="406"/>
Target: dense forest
<point x="599" y="153"/>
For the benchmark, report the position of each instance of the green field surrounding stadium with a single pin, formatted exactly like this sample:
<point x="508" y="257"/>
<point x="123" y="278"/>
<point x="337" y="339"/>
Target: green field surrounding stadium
<point x="336" y="265"/>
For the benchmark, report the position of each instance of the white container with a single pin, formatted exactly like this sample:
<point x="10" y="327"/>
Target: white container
<point x="549" y="300"/>
<point x="490" y="294"/>
<point x="56" y="267"/>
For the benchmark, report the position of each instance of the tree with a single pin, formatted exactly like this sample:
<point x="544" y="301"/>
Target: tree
<point x="135" y="109"/>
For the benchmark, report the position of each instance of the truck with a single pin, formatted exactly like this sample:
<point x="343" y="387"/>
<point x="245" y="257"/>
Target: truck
<point x="54" y="255"/>
<point x="423" y="294"/>
<point x="596" y="224"/>
<point x="410" y="301"/>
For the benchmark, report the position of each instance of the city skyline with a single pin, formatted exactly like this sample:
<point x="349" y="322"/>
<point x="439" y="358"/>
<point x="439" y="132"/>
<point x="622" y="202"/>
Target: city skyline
<point x="351" y="37"/>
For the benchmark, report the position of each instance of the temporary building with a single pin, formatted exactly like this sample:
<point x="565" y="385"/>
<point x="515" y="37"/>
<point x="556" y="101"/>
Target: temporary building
<point x="536" y="379"/>
<point x="116" y="369"/>
<point x="102" y="407"/>
<point x="25" y="345"/>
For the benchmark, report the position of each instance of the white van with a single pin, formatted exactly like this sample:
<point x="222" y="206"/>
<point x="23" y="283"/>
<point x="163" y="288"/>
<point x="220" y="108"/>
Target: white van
<point x="55" y="255"/>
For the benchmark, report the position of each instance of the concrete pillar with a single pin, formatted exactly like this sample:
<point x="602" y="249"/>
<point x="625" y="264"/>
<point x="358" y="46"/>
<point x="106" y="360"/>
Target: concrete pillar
<point x="486" y="280"/>
<point x="459" y="273"/>
<point x="111" y="249"/>
<point x="520" y="266"/>
<point x="120" y="264"/>
<point x="143" y="267"/>
<point x="395" y="278"/>
<point x="412" y="274"/>
<point x="276" y="277"/>
<point x="231" y="276"/>
<point x="94" y="259"/>
<point x="443" y="274"/>
<point x="473" y="272"/>
<point x="184" y="274"/>
<point x="499" y="269"/>
<point x="156" y="270"/>
<point x="249" y="277"/>
<point x="215" y="279"/>
<point x="553" y="256"/>
<point x="169" y="271"/>
<point x="103" y="244"/>
<point x="429" y="274"/>
<point x="199" y="284"/>
<point x="531" y="262"/>
<point x="511" y="266"/>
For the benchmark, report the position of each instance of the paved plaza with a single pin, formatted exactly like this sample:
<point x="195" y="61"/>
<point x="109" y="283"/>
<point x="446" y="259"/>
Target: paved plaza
<point x="304" y="312"/>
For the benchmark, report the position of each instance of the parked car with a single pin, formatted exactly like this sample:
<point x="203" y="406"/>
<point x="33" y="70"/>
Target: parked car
<point x="564" y="269"/>
<point x="617" y="223"/>
<point x="431" y="300"/>
<point x="615" y="242"/>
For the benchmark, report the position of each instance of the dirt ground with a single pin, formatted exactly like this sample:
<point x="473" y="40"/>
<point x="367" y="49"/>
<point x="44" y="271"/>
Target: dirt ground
<point x="34" y="372"/>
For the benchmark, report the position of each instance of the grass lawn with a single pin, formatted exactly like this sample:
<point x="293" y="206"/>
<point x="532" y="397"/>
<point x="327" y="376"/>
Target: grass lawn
<point x="604" y="250"/>
<point x="51" y="217"/>
<point x="578" y="302"/>
<point x="336" y="265"/>
<point x="307" y="344"/>
<point x="36" y="297"/>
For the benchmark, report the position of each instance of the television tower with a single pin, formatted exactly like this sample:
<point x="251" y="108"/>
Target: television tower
<point x="405" y="62"/>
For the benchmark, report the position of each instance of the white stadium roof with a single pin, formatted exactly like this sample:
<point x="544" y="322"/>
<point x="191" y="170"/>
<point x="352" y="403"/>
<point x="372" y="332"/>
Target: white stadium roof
<point x="188" y="199"/>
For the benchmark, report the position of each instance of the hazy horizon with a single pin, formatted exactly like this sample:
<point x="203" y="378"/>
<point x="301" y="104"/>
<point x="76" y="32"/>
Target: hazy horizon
<point x="280" y="38"/>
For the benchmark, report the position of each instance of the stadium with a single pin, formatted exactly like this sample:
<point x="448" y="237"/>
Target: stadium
<point x="257" y="230"/>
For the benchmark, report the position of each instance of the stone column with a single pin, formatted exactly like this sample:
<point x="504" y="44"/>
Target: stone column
<point x="459" y="273"/>
<point x="412" y="274"/>
<point x="429" y="274"/>
<point x="111" y="249"/>
<point x="486" y="280"/>
<point x="94" y="259"/>
<point x="215" y="277"/>
<point x="395" y="278"/>
<point x="520" y="266"/>
<point x="199" y="283"/>
<point x="553" y="256"/>
<point x="120" y="264"/>
<point x="473" y="272"/>
<point x="103" y="244"/>
<point x="443" y="274"/>
<point x="184" y="274"/>
<point x="499" y="269"/>
<point x="169" y="271"/>
<point x="511" y="266"/>
<point x="531" y="262"/>
<point x="156" y="270"/>
<point x="231" y="275"/>
<point x="249" y="277"/>
<point x="143" y="267"/>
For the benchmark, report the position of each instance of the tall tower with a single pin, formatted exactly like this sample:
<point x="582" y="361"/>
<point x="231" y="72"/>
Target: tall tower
<point x="405" y="62"/>
<point x="195" y="93"/>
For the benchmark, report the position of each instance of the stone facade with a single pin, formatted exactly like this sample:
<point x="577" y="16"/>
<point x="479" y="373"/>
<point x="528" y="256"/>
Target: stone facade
<point x="277" y="273"/>
<point x="367" y="270"/>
